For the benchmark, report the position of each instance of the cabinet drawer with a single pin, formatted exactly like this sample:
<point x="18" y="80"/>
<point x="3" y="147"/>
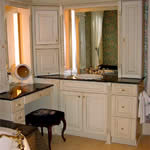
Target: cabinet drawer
<point x="18" y="104"/>
<point x="124" y="89"/>
<point x="123" y="128"/>
<point x="45" y="92"/>
<point x="31" y="97"/>
<point x="83" y="86"/>
<point x="124" y="106"/>
<point x="37" y="95"/>
<point x="19" y="116"/>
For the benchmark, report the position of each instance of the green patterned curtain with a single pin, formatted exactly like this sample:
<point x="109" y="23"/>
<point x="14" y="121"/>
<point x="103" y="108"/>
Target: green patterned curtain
<point x="145" y="36"/>
<point x="145" y="40"/>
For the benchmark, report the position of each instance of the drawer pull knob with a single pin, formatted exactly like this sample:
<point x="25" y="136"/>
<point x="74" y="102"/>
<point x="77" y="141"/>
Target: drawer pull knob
<point x="19" y="105"/>
<point x="122" y="90"/>
<point x="78" y="96"/>
<point x="122" y="128"/>
<point x="123" y="107"/>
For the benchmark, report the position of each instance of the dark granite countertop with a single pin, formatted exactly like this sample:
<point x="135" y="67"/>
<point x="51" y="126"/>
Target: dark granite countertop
<point x="106" y="78"/>
<point x="20" y="90"/>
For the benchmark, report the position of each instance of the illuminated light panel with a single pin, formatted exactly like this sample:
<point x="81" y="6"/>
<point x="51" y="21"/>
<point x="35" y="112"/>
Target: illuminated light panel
<point x="16" y="39"/>
<point x="74" y="67"/>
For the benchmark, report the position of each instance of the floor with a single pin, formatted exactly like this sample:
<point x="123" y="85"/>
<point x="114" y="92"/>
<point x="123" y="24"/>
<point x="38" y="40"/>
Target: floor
<point x="78" y="143"/>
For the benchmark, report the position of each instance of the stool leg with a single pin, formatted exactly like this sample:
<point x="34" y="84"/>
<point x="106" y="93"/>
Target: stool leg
<point x="49" y="136"/>
<point x="64" y="128"/>
<point x="42" y="131"/>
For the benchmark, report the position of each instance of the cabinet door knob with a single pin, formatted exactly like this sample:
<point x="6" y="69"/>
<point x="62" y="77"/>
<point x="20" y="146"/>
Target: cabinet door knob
<point x="20" y="117"/>
<point x="122" y="106"/>
<point x="78" y="96"/>
<point x="122" y="128"/>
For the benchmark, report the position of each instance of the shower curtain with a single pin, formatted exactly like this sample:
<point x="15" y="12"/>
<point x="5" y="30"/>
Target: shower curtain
<point x="96" y="29"/>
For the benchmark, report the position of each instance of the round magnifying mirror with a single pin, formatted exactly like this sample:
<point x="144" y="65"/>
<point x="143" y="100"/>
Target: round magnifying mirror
<point x="22" y="72"/>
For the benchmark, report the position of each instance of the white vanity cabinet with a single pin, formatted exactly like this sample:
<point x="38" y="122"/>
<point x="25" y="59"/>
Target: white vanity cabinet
<point x="3" y="71"/>
<point x="45" y="25"/>
<point x="72" y="105"/>
<point x="85" y="110"/>
<point x="131" y="41"/>
<point x="95" y="113"/>
<point x="13" y="111"/>
<point x="54" y="102"/>
<point x="124" y="121"/>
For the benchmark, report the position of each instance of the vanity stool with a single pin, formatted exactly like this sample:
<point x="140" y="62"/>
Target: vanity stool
<point x="46" y="118"/>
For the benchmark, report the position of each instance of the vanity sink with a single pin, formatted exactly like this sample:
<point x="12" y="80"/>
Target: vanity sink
<point x="89" y="76"/>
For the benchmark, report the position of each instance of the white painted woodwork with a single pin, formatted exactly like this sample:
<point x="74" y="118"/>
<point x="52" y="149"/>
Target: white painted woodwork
<point x="54" y="102"/>
<point x="85" y="110"/>
<point x="124" y="89"/>
<point x="124" y="106"/>
<point x="131" y="50"/>
<point x="72" y="106"/>
<point x="71" y="2"/>
<point x="33" y="97"/>
<point x="46" y="46"/>
<point x="124" y="121"/>
<point x="21" y="2"/>
<point x="124" y="128"/>
<point x="47" y="61"/>
<point x="46" y="26"/>
<point x="15" y="110"/>
<point x="95" y="113"/>
<point x="3" y="72"/>
<point x="92" y="87"/>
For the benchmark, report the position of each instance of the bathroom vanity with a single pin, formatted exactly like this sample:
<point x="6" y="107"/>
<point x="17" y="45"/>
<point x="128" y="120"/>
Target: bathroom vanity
<point x="104" y="109"/>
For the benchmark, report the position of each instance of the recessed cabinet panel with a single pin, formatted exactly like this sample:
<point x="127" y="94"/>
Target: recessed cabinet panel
<point x="132" y="39"/>
<point x="124" y="89"/>
<point x="123" y="128"/>
<point x="72" y="106"/>
<point x="46" y="27"/>
<point x="3" y="71"/>
<point x="95" y="113"/>
<point x="124" y="106"/>
<point x="3" y="80"/>
<point x="47" y="61"/>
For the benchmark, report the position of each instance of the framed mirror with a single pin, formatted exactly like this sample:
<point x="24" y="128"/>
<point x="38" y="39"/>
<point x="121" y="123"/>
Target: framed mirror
<point x="91" y="38"/>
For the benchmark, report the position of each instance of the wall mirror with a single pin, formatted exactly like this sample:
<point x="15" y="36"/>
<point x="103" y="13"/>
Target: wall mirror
<point x="91" y="38"/>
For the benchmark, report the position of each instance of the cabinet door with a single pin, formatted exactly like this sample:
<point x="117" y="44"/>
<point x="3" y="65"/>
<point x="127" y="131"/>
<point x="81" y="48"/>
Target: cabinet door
<point x="95" y="113"/>
<point x="131" y="51"/>
<point x="72" y="106"/>
<point x="47" y="61"/>
<point x="3" y="71"/>
<point x="46" y="26"/>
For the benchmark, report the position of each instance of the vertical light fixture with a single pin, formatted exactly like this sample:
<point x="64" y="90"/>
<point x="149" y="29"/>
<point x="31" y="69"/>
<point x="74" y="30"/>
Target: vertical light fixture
<point x="16" y="39"/>
<point x="74" y="65"/>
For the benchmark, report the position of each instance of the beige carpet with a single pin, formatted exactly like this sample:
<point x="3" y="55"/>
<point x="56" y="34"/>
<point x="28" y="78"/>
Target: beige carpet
<point x="78" y="143"/>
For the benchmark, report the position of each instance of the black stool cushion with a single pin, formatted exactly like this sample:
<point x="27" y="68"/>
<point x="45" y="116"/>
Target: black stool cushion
<point x="44" y="117"/>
